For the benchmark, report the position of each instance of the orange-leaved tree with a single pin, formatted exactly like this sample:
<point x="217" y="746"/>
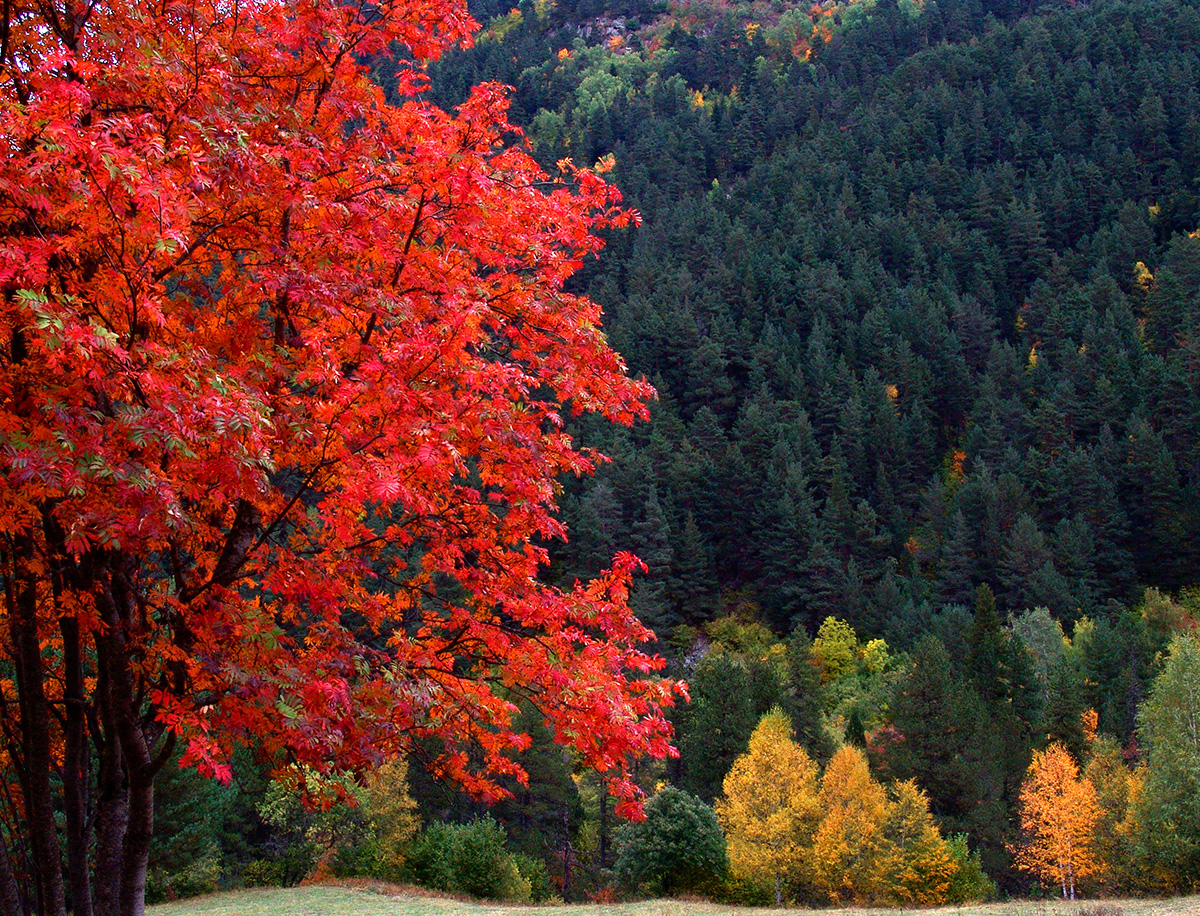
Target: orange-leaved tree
<point x="769" y="808"/>
<point x="1059" y="814"/>
<point x="283" y="372"/>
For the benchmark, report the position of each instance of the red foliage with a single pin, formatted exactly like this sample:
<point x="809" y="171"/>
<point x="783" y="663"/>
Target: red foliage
<point x="282" y="376"/>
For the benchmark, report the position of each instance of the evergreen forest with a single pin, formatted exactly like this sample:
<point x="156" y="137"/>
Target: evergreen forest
<point x="918" y="285"/>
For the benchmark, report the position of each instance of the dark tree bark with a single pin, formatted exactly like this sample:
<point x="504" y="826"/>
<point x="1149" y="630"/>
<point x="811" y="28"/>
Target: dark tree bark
<point x="112" y="808"/>
<point x="36" y="745"/>
<point x="135" y="737"/>
<point x="11" y="900"/>
<point x="75" y="771"/>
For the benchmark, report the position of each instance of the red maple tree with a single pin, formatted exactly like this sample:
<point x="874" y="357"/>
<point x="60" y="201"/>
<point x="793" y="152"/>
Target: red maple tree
<point x="283" y="370"/>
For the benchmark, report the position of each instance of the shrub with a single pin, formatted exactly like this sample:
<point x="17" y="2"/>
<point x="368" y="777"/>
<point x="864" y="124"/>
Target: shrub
<point x="287" y="869"/>
<point x="747" y="890"/>
<point x="201" y="876"/>
<point x="534" y="871"/>
<point x="678" y="847"/>
<point x="469" y="859"/>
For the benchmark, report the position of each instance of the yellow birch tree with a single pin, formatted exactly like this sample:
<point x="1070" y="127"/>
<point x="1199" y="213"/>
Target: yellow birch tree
<point x="1059" y="814"/>
<point x="769" y="809"/>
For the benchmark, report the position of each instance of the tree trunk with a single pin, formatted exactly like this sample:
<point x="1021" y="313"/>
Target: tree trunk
<point x="566" y="857"/>
<point x="75" y="772"/>
<point x="778" y="889"/>
<point x="137" y="847"/>
<point x="36" y="747"/>
<point x="603" y="827"/>
<point x="11" y="903"/>
<point x="112" y="816"/>
<point x="118" y="611"/>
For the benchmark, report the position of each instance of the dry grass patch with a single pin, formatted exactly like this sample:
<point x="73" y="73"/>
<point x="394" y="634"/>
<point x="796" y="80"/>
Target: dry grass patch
<point x="375" y="899"/>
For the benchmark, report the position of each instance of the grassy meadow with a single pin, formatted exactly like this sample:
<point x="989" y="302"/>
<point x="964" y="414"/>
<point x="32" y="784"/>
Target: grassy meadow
<point x="378" y="900"/>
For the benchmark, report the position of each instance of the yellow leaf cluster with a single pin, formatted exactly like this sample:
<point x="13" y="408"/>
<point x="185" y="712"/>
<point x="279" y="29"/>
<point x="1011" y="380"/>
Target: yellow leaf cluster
<point x="770" y="808"/>
<point x="848" y="842"/>
<point x="917" y="865"/>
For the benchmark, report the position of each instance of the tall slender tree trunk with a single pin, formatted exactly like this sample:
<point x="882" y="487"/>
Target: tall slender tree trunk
<point x="118" y="611"/>
<point x="112" y="809"/>
<point x="567" y="850"/>
<point x="137" y="846"/>
<point x="603" y="828"/>
<point x="75" y="771"/>
<point x="36" y="746"/>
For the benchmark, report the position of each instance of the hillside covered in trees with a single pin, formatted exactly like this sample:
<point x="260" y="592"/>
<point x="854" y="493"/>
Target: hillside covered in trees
<point x="918" y="285"/>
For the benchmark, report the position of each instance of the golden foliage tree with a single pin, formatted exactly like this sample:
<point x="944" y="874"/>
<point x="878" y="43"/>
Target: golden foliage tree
<point x="835" y="649"/>
<point x="1059" y="814"/>
<point x="849" y="841"/>
<point x="769" y="810"/>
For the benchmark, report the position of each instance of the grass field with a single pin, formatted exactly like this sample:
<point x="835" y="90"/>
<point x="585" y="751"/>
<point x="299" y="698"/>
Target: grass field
<point x="383" y="901"/>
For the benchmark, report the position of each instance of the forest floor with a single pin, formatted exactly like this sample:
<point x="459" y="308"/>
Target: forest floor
<point x="367" y="900"/>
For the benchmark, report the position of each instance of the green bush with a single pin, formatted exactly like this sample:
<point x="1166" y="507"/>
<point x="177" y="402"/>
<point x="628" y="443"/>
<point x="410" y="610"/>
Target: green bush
<point x="291" y="865"/>
<point x="970" y="883"/>
<point x="201" y="876"/>
<point x="534" y="871"/>
<point x="678" y="847"/>
<point x="470" y="859"/>
<point x="362" y="858"/>
<point x="747" y="891"/>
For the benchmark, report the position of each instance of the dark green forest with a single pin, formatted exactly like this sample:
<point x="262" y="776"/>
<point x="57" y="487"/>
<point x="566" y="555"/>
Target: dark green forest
<point x="918" y="288"/>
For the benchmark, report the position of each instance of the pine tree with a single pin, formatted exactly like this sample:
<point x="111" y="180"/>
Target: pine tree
<point x="650" y="597"/>
<point x="716" y="726"/>
<point x="693" y="585"/>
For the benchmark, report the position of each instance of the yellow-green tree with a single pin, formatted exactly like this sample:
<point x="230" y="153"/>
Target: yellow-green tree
<point x="1167" y="810"/>
<point x="393" y="816"/>
<point x="849" y="840"/>
<point x="1116" y="787"/>
<point x="769" y="810"/>
<point x="835" y="650"/>
<point x="1059" y="814"/>
<point x="917" y="863"/>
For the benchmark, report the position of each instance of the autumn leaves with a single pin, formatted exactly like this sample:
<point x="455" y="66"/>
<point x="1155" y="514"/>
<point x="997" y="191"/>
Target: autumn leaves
<point x="1058" y="816"/>
<point x="283" y="368"/>
<point x="1113" y="827"/>
<point x="837" y="836"/>
<point x="770" y="807"/>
